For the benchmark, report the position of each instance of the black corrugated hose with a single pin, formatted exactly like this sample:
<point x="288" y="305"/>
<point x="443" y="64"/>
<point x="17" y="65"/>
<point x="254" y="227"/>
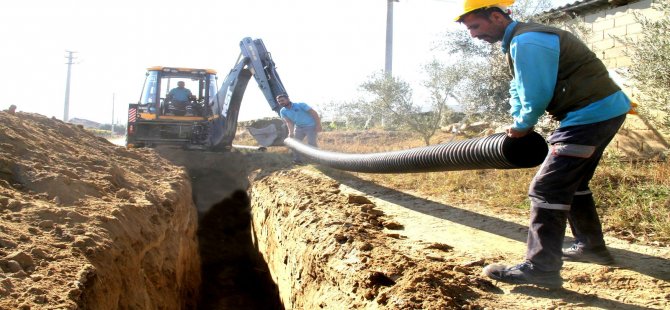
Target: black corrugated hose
<point x="496" y="151"/>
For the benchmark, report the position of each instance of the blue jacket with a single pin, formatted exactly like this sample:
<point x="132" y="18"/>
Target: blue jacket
<point x="535" y="56"/>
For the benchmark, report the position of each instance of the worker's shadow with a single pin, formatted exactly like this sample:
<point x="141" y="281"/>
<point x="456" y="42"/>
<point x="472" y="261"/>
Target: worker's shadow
<point x="574" y="297"/>
<point x="653" y="266"/>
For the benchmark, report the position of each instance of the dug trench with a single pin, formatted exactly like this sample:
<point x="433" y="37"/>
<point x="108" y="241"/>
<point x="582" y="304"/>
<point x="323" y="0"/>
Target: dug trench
<point x="234" y="274"/>
<point x="87" y="224"/>
<point x="90" y="225"/>
<point x="272" y="236"/>
<point x="311" y="237"/>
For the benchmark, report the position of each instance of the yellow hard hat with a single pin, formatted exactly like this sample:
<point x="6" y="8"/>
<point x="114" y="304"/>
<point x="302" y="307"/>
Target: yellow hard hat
<point x="471" y="5"/>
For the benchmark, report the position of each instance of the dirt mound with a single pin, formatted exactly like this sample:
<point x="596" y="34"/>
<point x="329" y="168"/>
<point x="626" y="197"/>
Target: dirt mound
<point x="87" y="224"/>
<point x="326" y="249"/>
<point x="332" y="240"/>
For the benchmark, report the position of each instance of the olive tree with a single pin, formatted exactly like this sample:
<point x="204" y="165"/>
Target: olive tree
<point x="442" y="82"/>
<point x="391" y="98"/>
<point x="650" y="63"/>
<point x="355" y="114"/>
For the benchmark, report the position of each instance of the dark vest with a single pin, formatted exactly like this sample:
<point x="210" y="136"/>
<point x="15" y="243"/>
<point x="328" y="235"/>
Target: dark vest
<point x="582" y="77"/>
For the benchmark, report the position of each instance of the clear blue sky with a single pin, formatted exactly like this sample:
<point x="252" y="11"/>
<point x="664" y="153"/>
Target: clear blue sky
<point x="323" y="49"/>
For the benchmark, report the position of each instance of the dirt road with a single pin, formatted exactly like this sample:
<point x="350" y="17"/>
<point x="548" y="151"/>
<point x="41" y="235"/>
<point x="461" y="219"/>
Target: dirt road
<point x="639" y="280"/>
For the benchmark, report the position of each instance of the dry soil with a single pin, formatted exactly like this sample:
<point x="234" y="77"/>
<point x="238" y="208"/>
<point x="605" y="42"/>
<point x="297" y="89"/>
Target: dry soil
<point x="86" y="224"/>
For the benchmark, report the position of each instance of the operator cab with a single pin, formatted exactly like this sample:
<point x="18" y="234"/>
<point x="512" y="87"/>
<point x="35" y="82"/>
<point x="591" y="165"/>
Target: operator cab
<point x="177" y="93"/>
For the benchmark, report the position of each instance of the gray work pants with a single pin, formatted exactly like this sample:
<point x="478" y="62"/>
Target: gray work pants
<point x="564" y="176"/>
<point x="300" y="133"/>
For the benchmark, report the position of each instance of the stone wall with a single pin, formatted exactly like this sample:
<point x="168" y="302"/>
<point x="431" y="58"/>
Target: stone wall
<point x="608" y="25"/>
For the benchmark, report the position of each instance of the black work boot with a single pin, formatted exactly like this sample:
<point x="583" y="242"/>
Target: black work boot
<point x="577" y="253"/>
<point x="524" y="273"/>
<point x="543" y="257"/>
<point x="589" y="244"/>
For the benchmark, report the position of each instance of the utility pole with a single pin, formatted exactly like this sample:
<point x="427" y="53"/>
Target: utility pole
<point x="388" y="64"/>
<point x="67" y="85"/>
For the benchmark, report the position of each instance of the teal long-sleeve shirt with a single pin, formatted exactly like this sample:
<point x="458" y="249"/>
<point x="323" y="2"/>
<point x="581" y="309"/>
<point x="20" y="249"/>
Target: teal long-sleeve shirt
<point x="535" y="56"/>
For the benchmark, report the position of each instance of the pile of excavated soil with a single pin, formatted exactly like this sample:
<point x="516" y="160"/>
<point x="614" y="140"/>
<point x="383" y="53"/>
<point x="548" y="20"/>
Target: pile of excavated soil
<point x="331" y="250"/>
<point x="87" y="224"/>
<point x="335" y="240"/>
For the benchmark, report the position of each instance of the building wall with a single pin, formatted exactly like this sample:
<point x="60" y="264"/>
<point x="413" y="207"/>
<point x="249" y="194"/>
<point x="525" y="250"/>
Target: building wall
<point x="609" y="24"/>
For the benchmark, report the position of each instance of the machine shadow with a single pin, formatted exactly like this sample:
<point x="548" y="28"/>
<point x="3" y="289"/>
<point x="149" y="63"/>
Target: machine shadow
<point x="642" y="263"/>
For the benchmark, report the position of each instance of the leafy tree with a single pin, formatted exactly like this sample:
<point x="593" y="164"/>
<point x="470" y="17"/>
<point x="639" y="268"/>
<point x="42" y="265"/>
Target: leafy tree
<point x="392" y="99"/>
<point x="650" y="68"/>
<point x="442" y="82"/>
<point x="355" y="114"/>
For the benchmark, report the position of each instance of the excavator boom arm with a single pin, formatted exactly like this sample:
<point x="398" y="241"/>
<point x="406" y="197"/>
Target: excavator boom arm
<point x="264" y="70"/>
<point x="254" y="61"/>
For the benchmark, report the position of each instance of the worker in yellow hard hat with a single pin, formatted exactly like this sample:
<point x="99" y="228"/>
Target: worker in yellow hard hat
<point x="553" y="71"/>
<point x="472" y="5"/>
